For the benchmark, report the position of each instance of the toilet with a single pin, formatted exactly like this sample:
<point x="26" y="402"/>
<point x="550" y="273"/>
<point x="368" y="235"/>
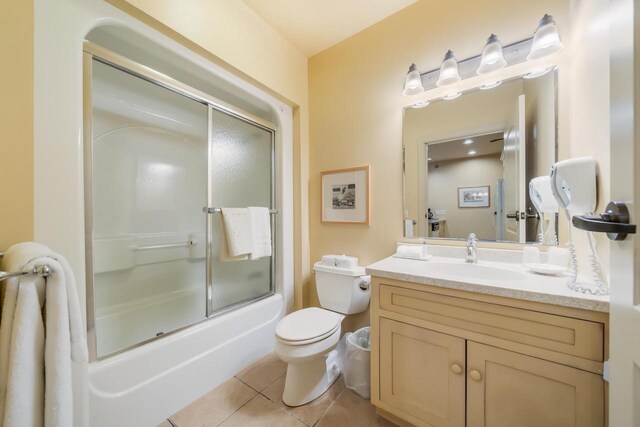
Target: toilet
<point x="305" y="338"/>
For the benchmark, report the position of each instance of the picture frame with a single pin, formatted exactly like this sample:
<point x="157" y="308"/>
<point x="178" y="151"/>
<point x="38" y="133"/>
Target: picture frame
<point x="345" y="195"/>
<point x="474" y="197"/>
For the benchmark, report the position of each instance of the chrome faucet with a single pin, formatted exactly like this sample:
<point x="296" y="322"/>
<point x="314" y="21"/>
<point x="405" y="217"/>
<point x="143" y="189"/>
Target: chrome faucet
<point x="472" y="250"/>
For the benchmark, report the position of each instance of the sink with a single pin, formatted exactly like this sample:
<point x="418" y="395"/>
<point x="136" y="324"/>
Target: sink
<point x="472" y="271"/>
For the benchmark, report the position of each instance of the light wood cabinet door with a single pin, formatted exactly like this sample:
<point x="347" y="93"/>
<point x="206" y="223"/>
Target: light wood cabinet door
<point x="422" y="374"/>
<point x="507" y="389"/>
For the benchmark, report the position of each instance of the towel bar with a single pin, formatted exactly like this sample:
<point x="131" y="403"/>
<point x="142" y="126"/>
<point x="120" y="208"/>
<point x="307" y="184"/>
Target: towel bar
<point x="218" y="210"/>
<point x="166" y="246"/>
<point x="40" y="270"/>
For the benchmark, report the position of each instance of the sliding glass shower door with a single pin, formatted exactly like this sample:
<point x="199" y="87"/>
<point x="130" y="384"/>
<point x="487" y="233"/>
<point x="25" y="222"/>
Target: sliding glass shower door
<point x="149" y="183"/>
<point x="156" y="158"/>
<point x="241" y="173"/>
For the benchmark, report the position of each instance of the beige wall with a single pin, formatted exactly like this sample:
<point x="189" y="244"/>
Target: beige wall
<point x="16" y="122"/>
<point x="356" y="103"/>
<point x="588" y="107"/>
<point x="233" y="36"/>
<point x="444" y="180"/>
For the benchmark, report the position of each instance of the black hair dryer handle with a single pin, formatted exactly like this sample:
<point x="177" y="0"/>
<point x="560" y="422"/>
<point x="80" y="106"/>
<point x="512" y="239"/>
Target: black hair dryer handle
<point x="614" y="221"/>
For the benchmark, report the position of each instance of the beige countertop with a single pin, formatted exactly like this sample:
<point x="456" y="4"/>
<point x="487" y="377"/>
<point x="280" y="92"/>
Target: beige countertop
<point x="516" y="282"/>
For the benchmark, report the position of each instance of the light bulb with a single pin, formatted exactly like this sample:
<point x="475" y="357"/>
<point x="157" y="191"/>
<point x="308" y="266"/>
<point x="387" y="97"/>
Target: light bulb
<point x="448" y="70"/>
<point x="492" y="57"/>
<point x="546" y="39"/>
<point x="413" y="82"/>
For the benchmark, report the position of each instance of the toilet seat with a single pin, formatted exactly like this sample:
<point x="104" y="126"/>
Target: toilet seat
<point x="307" y="326"/>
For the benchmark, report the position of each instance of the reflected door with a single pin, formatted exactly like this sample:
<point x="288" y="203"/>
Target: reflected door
<point x="514" y="175"/>
<point x="240" y="175"/>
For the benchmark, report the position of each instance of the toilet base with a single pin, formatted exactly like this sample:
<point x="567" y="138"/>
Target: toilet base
<point x="308" y="380"/>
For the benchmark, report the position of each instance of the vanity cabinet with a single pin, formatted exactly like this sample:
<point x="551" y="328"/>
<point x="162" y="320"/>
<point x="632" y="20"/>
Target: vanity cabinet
<point x="507" y="389"/>
<point x="422" y="373"/>
<point x="443" y="357"/>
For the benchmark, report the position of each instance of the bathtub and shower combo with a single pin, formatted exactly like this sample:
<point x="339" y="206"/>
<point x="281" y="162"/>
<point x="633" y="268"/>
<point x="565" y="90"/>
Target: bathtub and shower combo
<point x="169" y="315"/>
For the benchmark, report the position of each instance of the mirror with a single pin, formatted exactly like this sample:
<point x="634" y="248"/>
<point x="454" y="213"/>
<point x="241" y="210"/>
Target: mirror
<point x="469" y="163"/>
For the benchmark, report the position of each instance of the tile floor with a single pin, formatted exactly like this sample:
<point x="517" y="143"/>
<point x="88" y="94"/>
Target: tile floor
<point x="254" y="398"/>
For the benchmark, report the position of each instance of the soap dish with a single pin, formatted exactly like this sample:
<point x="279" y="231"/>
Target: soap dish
<point x="424" y="258"/>
<point x="547" y="269"/>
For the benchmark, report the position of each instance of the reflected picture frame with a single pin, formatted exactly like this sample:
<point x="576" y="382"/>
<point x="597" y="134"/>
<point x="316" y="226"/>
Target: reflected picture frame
<point x="474" y="197"/>
<point x="345" y="196"/>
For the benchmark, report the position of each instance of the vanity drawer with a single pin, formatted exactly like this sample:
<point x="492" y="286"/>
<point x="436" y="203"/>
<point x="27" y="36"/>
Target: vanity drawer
<point x="561" y="334"/>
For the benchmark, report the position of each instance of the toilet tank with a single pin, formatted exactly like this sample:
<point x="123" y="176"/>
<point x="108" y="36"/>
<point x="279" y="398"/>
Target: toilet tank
<point x="342" y="285"/>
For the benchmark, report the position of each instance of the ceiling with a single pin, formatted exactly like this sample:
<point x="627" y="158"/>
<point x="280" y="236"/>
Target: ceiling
<point x="456" y="149"/>
<point x="312" y="26"/>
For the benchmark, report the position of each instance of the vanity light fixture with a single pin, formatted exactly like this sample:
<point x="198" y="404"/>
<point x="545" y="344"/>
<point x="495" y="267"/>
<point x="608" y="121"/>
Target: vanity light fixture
<point x="492" y="57"/>
<point x="451" y="96"/>
<point x="421" y="104"/>
<point x="413" y="82"/>
<point x="495" y="56"/>
<point x="468" y="141"/>
<point x="472" y="152"/>
<point x="537" y="72"/>
<point x="448" y="70"/>
<point x="490" y="85"/>
<point x="546" y="39"/>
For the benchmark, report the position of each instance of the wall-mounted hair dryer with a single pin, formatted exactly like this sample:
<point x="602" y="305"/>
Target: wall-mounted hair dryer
<point x="573" y="183"/>
<point x="546" y="204"/>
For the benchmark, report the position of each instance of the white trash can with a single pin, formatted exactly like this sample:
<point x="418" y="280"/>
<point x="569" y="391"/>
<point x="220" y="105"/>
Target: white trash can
<point x="355" y="357"/>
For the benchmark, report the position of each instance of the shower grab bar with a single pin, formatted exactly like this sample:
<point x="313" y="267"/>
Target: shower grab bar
<point x="166" y="246"/>
<point x="40" y="270"/>
<point x="218" y="210"/>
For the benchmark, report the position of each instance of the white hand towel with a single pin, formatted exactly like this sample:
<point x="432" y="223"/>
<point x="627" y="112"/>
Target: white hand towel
<point x="41" y="378"/>
<point x="411" y="251"/>
<point x="223" y="253"/>
<point x="237" y="224"/>
<point x="261" y="229"/>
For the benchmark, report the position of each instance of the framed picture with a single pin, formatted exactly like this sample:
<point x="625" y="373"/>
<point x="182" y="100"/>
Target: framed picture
<point x="473" y="197"/>
<point x="345" y="195"/>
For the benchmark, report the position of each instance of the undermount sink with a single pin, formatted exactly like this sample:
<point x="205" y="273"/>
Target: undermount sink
<point x="472" y="271"/>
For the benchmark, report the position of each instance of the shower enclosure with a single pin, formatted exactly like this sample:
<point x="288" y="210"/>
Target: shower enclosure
<point x="161" y="159"/>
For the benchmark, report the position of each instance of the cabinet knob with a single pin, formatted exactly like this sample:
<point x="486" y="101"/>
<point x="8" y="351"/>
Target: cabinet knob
<point x="475" y="375"/>
<point x="457" y="369"/>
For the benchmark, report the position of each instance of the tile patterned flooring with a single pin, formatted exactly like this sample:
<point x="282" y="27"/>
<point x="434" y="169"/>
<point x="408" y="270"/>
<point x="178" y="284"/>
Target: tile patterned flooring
<point x="254" y="398"/>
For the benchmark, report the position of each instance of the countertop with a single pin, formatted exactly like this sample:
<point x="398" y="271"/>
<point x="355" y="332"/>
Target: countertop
<point x="528" y="286"/>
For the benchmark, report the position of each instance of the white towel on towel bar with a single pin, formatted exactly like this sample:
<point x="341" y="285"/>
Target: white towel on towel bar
<point x="43" y="380"/>
<point x="261" y="232"/>
<point x="224" y="254"/>
<point x="237" y="226"/>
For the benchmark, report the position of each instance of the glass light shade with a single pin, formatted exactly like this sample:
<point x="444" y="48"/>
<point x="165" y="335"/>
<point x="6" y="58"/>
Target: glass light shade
<point x="490" y="85"/>
<point x="421" y="104"/>
<point x="546" y="39"/>
<point x="538" y="72"/>
<point x="413" y="82"/>
<point x="452" y="96"/>
<point x="448" y="70"/>
<point x="492" y="58"/>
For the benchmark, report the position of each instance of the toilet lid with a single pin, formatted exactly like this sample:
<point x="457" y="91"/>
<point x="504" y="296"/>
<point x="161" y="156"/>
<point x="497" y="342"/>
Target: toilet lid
<point x="308" y="324"/>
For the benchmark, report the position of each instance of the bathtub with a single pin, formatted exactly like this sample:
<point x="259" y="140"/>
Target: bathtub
<point x="145" y="385"/>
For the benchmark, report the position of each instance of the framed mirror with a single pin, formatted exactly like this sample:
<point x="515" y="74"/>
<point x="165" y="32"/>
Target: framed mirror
<point x="469" y="163"/>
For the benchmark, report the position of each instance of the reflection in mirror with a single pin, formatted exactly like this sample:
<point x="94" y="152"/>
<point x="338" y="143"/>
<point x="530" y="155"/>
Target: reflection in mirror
<point x="471" y="164"/>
